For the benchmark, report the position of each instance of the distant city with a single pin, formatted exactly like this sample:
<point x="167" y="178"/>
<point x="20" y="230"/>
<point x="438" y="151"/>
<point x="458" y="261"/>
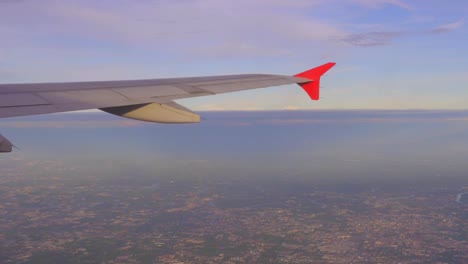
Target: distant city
<point x="264" y="187"/>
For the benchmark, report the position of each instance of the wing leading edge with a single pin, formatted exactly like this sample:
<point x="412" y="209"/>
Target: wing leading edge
<point x="147" y="100"/>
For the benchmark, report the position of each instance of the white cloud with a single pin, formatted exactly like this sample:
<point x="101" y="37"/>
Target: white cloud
<point x="192" y="27"/>
<point x="372" y="39"/>
<point x="292" y="107"/>
<point x="449" y="27"/>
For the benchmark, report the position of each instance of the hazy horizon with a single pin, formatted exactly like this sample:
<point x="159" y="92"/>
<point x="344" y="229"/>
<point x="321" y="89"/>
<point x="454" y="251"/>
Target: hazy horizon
<point x="359" y="144"/>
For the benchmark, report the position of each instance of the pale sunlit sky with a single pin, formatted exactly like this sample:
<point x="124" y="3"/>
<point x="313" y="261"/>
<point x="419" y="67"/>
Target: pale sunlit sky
<point x="391" y="54"/>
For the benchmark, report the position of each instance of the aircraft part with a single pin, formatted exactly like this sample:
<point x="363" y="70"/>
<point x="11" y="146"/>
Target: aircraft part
<point x="170" y="113"/>
<point x="5" y="145"/>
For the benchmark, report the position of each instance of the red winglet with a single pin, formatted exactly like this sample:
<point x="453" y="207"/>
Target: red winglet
<point x="313" y="86"/>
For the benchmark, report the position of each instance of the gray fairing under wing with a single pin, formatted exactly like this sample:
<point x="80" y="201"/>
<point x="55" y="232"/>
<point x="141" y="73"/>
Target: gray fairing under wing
<point x="170" y="113"/>
<point x="5" y="145"/>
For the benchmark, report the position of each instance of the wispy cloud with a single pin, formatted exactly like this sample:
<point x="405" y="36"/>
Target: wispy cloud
<point x="383" y="38"/>
<point x="201" y="28"/>
<point x="448" y="27"/>
<point x="191" y="27"/>
<point x="372" y="39"/>
<point x="53" y="40"/>
<point x="382" y="3"/>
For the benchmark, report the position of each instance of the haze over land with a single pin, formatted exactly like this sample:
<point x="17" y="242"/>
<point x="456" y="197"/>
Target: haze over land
<point x="256" y="187"/>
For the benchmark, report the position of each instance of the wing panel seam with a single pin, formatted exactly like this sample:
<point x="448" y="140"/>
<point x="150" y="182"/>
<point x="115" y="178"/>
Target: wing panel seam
<point x="264" y="78"/>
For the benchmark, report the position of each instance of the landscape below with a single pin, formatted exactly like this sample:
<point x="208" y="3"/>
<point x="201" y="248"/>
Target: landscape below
<point x="254" y="187"/>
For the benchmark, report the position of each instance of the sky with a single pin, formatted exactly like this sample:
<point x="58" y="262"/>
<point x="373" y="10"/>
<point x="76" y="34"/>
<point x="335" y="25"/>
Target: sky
<point x="390" y="54"/>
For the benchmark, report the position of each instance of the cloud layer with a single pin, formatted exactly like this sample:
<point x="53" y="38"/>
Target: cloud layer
<point x="211" y="27"/>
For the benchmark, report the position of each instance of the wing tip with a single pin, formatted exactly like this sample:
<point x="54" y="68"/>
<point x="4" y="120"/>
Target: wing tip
<point x="315" y="73"/>
<point x="312" y="87"/>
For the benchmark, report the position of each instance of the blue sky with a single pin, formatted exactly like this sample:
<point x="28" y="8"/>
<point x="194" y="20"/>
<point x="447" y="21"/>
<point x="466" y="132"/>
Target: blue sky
<point x="391" y="54"/>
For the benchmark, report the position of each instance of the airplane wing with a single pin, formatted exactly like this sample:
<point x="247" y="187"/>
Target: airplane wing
<point x="5" y="145"/>
<point x="147" y="100"/>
